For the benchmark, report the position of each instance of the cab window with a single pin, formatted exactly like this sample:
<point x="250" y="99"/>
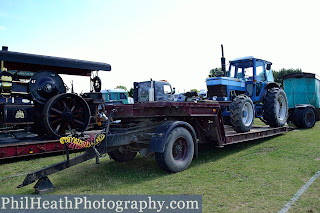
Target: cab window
<point x="109" y="97"/>
<point x="248" y="73"/>
<point x="269" y="74"/>
<point x="167" y="89"/>
<point x="123" y="96"/>
<point x="232" y="71"/>
<point x="260" y="76"/>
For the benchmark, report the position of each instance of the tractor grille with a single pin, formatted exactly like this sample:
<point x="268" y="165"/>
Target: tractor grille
<point x="217" y="90"/>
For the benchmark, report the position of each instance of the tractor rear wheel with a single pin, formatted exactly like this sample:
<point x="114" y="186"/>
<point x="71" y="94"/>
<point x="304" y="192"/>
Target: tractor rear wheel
<point x="241" y="113"/>
<point x="275" y="107"/>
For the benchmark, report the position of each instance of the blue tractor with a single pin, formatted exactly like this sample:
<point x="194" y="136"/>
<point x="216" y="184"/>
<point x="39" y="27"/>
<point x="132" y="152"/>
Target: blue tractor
<point x="247" y="90"/>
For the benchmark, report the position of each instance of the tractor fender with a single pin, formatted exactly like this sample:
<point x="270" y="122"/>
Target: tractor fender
<point x="158" y="141"/>
<point x="272" y="85"/>
<point x="267" y="87"/>
<point x="304" y="106"/>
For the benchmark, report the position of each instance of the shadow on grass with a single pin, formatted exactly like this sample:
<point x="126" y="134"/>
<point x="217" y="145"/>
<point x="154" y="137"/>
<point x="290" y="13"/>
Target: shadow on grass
<point x="112" y="177"/>
<point x="208" y="153"/>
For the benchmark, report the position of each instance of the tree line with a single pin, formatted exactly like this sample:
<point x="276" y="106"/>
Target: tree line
<point x="277" y="74"/>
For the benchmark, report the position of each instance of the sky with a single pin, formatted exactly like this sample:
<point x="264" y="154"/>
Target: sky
<point x="174" y="40"/>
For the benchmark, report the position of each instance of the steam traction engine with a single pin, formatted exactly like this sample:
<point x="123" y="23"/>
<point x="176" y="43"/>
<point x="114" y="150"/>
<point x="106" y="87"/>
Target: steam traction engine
<point x="34" y="100"/>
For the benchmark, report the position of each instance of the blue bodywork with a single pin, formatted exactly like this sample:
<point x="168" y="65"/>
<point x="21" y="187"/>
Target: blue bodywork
<point x="247" y="75"/>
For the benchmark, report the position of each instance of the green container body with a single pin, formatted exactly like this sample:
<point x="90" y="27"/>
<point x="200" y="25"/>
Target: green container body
<point x="302" y="89"/>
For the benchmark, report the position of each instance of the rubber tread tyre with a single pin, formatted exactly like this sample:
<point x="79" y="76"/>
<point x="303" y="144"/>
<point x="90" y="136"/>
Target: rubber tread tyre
<point x="226" y="120"/>
<point x="270" y="111"/>
<point x="121" y="156"/>
<point x="178" y="152"/>
<point x="237" y="114"/>
<point x="304" y="117"/>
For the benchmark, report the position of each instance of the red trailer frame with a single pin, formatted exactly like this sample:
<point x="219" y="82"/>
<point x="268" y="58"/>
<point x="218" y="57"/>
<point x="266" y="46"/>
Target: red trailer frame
<point x="147" y="126"/>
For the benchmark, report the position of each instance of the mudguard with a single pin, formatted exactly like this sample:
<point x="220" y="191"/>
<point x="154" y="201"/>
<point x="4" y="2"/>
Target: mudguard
<point x="157" y="143"/>
<point x="266" y="88"/>
<point x="304" y="106"/>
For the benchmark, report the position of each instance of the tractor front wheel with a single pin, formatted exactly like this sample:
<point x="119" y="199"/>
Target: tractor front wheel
<point x="241" y="113"/>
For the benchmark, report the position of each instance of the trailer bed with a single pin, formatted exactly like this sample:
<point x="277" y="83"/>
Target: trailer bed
<point x="204" y="117"/>
<point x="30" y="145"/>
<point x="25" y="147"/>
<point x="257" y="132"/>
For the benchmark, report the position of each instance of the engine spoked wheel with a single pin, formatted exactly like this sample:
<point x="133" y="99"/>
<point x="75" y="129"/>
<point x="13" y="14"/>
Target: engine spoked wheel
<point x="66" y="113"/>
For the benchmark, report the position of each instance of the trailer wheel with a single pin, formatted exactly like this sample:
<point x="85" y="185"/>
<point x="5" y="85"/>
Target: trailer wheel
<point x="304" y="117"/>
<point x="275" y="107"/>
<point x="122" y="156"/>
<point x="241" y="113"/>
<point x="178" y="151"/>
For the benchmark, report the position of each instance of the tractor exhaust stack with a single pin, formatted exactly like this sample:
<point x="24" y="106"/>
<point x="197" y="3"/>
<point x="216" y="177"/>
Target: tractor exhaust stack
<point x="223" y="62"/>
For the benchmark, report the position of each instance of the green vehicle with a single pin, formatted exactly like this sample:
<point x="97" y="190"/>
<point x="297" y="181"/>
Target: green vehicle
<point x="303" y="93"/>
<point x="115" y="96"/>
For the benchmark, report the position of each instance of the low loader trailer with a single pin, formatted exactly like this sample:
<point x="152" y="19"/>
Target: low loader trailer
<point x="171" y="131"/>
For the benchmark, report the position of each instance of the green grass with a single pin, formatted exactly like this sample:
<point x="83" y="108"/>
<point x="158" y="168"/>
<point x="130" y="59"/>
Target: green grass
<point x="256" y="176"/>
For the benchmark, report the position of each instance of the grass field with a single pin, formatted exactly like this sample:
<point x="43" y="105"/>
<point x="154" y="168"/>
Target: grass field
<point x="256" y="176"/>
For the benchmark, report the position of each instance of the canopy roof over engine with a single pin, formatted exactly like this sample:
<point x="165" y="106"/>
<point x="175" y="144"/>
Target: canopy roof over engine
<point x="34" y="63"/>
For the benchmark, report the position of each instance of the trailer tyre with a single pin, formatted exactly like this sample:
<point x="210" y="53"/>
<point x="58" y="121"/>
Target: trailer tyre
<point x="178" y="151"/>
<point x="275" y="107"/>
<point x="241" y="113"/>
<point x="122" y="156"/>
<point x="304" y="117"/>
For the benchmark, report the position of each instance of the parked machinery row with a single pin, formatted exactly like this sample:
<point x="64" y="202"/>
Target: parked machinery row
<point x="34" y="98"/>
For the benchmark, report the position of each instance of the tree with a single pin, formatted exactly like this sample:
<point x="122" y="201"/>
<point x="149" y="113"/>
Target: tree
<point x="195" y="90"/>
<point x="215" y="72"/>
<point x="278" y="75"/>
<point x="131" y="92"/>
<point x="122" y="87"/>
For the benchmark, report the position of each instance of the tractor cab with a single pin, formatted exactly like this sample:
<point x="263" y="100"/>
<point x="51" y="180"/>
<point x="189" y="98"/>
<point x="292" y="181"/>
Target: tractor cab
<point x="247" y="75"/>
<point x="255" y="73"/>
<point x="250" y="69"/>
